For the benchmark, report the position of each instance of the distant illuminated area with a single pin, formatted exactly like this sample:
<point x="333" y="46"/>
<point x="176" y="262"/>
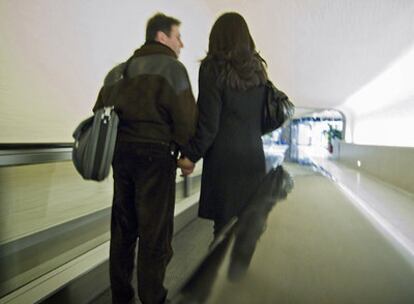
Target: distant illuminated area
<point x="315" y="134"/>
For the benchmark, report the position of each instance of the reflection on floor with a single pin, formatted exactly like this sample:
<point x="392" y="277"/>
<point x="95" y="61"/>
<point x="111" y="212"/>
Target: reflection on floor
<point x="388" y="207"/>
<point x="319" y="248"/>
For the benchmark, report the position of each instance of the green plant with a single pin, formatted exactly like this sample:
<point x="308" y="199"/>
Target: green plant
<point x="333" y="133"/>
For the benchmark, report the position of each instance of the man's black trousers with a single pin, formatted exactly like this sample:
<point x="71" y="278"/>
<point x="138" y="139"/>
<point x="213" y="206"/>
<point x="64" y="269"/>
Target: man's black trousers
<point x="143" y="209"/>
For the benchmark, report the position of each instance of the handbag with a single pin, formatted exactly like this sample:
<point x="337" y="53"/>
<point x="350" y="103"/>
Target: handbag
<point x="277" y="109"/>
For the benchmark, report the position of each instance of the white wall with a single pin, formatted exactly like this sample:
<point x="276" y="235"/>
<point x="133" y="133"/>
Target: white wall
<point x="392" y="165"/>
<point x="382" y="112"/>
<point x="54" y="55"/>
<point x="355" y="56"/>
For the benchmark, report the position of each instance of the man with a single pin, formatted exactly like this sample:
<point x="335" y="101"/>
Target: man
<point x="157" y="114"/>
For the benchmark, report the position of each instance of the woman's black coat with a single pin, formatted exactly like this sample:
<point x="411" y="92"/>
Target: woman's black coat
<point x="228" y="137"/>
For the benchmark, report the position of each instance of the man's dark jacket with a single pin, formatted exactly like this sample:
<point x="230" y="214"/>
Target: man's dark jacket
<point x="155" y="102"/>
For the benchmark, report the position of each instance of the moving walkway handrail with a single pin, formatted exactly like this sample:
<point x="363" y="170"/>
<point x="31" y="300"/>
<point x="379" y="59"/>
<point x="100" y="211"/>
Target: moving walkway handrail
<point x="16" y="154"/>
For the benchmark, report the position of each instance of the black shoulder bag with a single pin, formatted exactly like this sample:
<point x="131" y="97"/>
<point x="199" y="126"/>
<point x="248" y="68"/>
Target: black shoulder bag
<point x="276" y="110"/>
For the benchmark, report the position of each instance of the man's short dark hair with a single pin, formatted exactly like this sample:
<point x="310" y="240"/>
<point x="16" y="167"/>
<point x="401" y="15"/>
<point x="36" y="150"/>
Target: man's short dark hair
<point x="160" y="22"/>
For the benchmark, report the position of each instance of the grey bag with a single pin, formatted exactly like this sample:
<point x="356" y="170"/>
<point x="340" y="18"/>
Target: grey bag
<point x="95" y="138"/>
<point x="94" y="146"/>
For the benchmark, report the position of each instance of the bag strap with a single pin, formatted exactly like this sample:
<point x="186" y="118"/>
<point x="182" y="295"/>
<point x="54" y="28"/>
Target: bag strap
<point x="124" y="76"/>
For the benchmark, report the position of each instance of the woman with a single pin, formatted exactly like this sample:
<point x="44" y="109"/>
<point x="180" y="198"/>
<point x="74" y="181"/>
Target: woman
<point x="228" y="136"/>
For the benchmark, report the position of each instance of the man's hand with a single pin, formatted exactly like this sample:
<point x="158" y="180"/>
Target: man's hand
<point x="186" y="166"/>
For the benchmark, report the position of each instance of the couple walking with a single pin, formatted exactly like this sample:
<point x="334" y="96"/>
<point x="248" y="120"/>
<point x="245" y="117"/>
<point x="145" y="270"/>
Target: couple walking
<point x="160" y="120"/>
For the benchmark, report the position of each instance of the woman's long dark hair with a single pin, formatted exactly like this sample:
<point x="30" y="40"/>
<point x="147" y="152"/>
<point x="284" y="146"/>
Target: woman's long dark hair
<point x="232" y="48"/>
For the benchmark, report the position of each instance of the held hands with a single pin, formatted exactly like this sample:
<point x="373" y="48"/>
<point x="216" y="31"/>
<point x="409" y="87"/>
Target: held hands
<point x="186" y="166"/>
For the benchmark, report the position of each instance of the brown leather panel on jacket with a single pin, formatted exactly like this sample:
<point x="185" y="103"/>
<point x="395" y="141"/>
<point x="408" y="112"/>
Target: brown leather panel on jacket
<point x="155" y="102"/>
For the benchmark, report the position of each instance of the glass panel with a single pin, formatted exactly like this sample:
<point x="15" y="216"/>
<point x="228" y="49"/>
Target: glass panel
<point x="49" y="215"/>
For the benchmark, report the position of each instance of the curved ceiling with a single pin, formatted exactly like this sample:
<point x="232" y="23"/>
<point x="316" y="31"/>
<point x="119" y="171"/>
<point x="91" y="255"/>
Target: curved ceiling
<point x="324" y="51"/>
